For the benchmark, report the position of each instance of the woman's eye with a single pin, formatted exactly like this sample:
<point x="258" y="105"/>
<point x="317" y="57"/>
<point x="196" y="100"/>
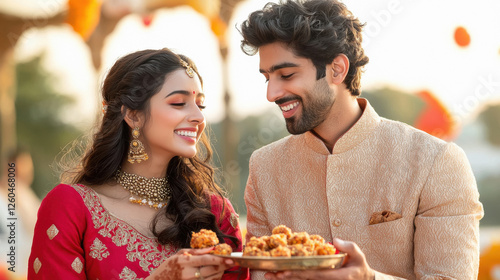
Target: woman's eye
<point x="287" y="76"/>
<point x="202" y="107"/>
<point x="177" y="104"/>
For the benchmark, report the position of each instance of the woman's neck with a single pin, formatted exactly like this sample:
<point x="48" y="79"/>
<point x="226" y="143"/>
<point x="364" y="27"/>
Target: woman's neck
<point x="149" y="169"/>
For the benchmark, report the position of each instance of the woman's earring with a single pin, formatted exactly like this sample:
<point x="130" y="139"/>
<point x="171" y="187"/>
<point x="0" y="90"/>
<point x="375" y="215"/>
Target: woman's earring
<point x="137" y="153"/>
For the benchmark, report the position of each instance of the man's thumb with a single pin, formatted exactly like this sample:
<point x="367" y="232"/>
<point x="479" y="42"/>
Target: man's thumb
<point x="354" y="254"/>
<point x="343" y="246"/>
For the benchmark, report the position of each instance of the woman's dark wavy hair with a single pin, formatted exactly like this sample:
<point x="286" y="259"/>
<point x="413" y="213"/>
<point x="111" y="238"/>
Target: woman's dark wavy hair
<point x="131" y="83"/>
<point x="319" y="30"/>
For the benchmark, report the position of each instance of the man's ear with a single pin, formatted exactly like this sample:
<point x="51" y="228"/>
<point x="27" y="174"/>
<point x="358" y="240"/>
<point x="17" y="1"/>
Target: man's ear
<point x="337" y="70"/>
<point x="133" y="118"/>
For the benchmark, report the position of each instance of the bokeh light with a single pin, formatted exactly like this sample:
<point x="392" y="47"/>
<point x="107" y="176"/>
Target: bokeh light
<point x="462" y="37"/>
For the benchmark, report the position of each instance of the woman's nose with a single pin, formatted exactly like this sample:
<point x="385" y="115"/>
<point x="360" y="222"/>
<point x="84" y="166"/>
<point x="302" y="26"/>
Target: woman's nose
<point x="196" y="115"/>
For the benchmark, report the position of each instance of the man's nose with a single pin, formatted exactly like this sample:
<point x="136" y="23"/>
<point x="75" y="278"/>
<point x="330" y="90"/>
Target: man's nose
<point x="274" y="91"/>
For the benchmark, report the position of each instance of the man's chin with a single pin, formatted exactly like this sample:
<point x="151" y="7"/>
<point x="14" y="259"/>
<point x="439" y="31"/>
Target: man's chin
<point x="291" y="126"/>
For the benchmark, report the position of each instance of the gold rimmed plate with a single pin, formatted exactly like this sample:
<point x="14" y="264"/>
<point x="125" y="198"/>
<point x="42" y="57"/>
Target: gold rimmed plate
<point x="288" y="263"/>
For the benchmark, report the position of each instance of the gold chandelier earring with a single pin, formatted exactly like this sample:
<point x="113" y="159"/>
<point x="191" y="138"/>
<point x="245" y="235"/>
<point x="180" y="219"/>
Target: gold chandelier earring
<point x="136" y="153"/>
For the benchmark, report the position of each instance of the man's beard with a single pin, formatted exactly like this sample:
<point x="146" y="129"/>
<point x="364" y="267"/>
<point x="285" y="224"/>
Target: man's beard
<point x="319" y="103"/>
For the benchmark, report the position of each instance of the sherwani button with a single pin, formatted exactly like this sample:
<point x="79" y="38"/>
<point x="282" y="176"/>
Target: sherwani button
<point x="337" y="222"/>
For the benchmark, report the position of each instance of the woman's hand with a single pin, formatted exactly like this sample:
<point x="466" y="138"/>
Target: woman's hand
<point x="192" y="264"/>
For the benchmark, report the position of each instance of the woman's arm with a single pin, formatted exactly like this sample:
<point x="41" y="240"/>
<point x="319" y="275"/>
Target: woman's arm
<point x="229" y="224"/>
<point x="57" y="251"/>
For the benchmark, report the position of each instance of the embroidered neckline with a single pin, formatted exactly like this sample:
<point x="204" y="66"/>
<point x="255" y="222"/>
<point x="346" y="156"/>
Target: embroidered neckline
<point x="140" y="248"/>
<point x="107" y="212"/>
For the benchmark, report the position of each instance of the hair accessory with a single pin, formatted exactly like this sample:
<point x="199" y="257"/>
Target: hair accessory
<point x="104" y="107"/>
<point x="154" y="192"/>
<point x="189" y="69"/>
<point x="136" y="153"/>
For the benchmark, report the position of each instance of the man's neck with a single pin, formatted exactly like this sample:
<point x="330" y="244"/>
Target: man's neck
<point x="344" y="114"/>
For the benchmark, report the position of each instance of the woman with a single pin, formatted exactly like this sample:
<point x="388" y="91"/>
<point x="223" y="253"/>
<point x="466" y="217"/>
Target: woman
<point x="140" y="190"/>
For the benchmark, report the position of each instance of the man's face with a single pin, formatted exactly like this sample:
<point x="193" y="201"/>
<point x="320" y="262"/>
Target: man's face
<point x="292" y="85"/>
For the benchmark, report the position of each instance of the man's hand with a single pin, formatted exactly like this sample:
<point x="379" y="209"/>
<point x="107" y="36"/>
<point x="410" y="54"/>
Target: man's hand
<point x="355" y="267"/>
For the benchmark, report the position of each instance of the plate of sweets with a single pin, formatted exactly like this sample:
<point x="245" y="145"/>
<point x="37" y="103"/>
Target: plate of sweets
<point x="283" y="250"/>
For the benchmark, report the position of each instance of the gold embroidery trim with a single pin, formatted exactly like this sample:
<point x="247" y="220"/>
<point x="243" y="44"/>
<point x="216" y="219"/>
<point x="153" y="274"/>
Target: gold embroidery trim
<point x="37" y="264"/>
<point x="128" y="274"/>
<point x="147" y="251"/>
<point x="77" y="265"/>
<point x="52" y="231"/>
<point x="98" y="250"/>
<point x="234" y="220"/>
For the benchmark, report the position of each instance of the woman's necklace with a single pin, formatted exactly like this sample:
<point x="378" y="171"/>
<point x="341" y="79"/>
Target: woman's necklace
<point x="154" y="192"/>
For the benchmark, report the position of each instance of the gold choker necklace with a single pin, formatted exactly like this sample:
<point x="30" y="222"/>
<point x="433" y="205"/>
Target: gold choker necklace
<point x="154" y="192"/>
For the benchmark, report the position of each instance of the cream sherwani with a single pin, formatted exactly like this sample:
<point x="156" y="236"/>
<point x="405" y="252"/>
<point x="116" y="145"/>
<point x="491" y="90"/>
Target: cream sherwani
<point x="377" y="165"/>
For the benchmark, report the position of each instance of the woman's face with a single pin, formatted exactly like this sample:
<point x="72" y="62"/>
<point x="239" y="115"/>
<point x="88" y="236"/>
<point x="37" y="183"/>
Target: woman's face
<point x="176" y="121"/>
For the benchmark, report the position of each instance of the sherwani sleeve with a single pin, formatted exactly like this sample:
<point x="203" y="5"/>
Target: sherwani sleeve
<point x="57" y="251"/>
<point x="256" y="216"/>
<point x="447" y="221"/>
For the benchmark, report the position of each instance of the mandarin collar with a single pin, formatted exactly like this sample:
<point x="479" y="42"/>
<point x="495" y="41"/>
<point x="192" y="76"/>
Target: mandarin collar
<point x="368" y="121"/>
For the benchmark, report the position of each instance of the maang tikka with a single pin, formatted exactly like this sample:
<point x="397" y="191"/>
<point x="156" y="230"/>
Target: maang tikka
<point x="136" y="153"/>
<point x="189" y="69"/>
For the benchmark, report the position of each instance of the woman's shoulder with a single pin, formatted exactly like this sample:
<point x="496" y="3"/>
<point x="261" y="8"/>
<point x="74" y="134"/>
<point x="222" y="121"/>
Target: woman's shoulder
<point x="67" y="192"/>
<point x="61" y="191"/>
<point x="222" y="207"/>
<point x="63" y="206"/>
<point x="65" y="197"/>
<point x="219" y="202"/>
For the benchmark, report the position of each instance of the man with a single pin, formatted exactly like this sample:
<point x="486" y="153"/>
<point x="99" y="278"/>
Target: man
<point x="406" y="201"/>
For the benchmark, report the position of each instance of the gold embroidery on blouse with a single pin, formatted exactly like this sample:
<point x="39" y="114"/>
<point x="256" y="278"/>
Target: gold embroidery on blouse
<point x="37" y="264"/>
<point x="52" y="231"/>
<point x="98" y="250"/>
<point x="234" y="220"/>
<point x="77" y="265"/>
<point x="147" y="251"/>
<point x="128" y="274"/>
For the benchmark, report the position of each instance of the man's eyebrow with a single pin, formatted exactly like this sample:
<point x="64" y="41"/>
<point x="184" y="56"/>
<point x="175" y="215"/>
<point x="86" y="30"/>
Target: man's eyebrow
<point x="279" y="66"/>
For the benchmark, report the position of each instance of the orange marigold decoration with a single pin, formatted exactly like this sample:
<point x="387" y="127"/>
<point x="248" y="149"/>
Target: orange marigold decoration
<point x="208" y="8"/>
<point x="83" y="16"/>
<point x="435" y="118"/>
<point x="462" y="37"/>
<point x="489" y="261"/>
<point x="218" y="27"/>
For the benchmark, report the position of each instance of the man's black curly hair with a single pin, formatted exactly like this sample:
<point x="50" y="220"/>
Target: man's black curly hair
<point x="319" y="30"/>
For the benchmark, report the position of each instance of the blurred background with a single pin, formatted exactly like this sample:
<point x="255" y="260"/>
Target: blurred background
<point x="433" y="65"/>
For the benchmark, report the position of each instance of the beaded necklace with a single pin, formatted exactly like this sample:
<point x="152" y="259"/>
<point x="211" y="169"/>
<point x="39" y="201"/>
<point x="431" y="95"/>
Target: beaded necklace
<point x="154" y="192"/>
